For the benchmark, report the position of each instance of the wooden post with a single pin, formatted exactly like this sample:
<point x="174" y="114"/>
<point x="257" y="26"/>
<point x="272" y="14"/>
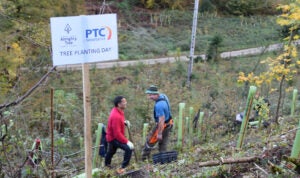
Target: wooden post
<point x="51" y="130"/>
<point x="87" y="120"/>
<point x="191" y="130"/>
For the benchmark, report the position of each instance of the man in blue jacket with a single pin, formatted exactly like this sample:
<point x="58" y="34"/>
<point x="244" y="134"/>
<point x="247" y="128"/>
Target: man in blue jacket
<point x="163" y="122"/>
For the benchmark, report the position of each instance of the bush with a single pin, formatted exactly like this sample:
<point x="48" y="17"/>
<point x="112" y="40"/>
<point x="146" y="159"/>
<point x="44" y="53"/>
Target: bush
<point x="213" y="52"/>
<point x="207" y="6"/>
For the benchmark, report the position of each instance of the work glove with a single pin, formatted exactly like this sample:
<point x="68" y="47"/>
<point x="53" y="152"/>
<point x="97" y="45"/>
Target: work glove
<point x="127" y="123"/>
<point x="130" y="145"/>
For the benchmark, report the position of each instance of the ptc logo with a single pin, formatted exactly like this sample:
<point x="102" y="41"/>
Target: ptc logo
<point x="103" y="33"/>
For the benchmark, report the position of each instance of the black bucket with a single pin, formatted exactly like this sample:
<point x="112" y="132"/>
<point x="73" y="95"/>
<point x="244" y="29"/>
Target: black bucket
<point x="164" y="157"/>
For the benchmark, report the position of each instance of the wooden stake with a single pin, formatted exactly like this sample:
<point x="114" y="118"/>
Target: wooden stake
<point x="87" y="120"/>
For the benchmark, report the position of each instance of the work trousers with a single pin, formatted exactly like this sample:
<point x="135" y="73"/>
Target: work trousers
<point x="112" y="149"/>
<point x="162" y="145"/>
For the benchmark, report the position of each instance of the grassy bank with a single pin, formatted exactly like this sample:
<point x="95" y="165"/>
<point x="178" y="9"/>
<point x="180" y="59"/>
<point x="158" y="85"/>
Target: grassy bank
<point x="172" y="36"/>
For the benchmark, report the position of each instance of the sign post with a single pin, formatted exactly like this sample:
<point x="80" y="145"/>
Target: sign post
<point x="87" y="120"/>
<point x="82" y="40"/>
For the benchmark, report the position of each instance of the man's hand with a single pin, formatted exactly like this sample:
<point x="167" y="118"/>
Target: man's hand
<point x="159" y="137"/>
<point x="127" y="123"/>
<point x="130" y="145"/>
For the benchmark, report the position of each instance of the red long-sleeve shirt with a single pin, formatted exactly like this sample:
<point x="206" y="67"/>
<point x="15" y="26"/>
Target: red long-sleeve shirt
<point x="115" y="126"/>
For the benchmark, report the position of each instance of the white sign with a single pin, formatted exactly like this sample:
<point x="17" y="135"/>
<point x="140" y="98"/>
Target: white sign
<point x="84" y="39"/>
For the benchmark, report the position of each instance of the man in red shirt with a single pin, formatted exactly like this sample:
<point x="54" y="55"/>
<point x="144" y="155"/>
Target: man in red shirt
<point x="115" y="134"/>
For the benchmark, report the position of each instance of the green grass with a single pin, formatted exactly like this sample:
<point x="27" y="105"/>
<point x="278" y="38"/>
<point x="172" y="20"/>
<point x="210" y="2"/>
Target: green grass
<point x="163" y="40"/>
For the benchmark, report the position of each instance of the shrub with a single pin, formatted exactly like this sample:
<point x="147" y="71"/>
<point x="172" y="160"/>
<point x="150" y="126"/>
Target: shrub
<point x="212" y="52"/>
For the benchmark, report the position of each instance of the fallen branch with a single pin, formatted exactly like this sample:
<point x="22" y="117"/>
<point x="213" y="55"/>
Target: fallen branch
<point x="228" y="161"/>
<point x="20" y="99"/>
<point x="295" y="129"/>
<point x="261" y="169"/>
<point x="275" y="169"/>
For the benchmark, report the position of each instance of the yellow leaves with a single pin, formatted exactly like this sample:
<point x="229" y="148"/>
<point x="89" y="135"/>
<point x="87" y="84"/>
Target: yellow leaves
<point x="277" y="69"/>
<point x="284" y="8"/>
<point x="277" y="72"/>
<point x="294" y="52"/>
<point x="283" y="22"/>
<point x="290" y="16"/>
<point x="15" y="46"/>
<point x="150" y="3"/>
<point x="258" y="82"/>
<point x="286" y="48"/>
<point x="251" y="78"/>
<point x="278" y="78"/>
<point x="12" y="61"/>
<point x="242" y="78"/>
<point x="289" y="51"/>
<point x="289" y="78"/>
<point x="273" y="90"/>
<point x="281" y="67"/>
<point x="268" y="81"/>
<point x="295" y="15"/>
<point x="289" y="89"/>
<point x="17" y="54"/>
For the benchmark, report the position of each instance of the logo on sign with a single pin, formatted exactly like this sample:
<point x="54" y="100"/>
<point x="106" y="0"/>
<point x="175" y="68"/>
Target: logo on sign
<point x="68" y="39"/>
<point x="68" y="28"/>
<point x="97" y="34"/>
